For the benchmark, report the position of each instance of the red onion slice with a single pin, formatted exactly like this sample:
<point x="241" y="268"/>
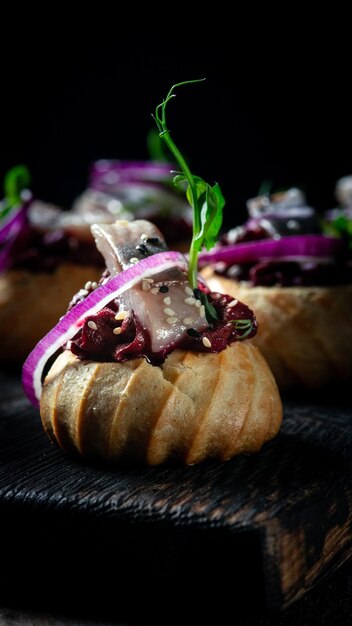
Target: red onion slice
<point x="12" y="224"/>
<point x="317" y="246"/>
<point x="69" y="325"/>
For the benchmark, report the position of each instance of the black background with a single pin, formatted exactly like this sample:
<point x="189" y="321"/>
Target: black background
<point x="275" y="105"/>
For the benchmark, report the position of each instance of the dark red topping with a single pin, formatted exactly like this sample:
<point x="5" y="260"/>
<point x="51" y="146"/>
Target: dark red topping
<point x="43" y="252"/>
<point x="98" y="341"/>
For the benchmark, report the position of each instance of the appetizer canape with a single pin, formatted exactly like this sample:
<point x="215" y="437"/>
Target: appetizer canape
<point x="45" y="256"/>
<point x="299" y="282"/>
<point x="137" y="190"/>
<point x="151" y="366"/>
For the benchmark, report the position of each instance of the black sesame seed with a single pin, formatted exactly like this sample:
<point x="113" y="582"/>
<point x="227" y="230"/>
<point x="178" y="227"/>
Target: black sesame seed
<point x="142" y="248"/>
<point x="154" y="241"/>
<point x="192" y="332"/>
<point x="196" y="293"/>
<point x="164" y="289"/>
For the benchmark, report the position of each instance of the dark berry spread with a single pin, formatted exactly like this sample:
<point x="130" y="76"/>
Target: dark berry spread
<point x="109" y="336"/>
<point x="276" y="217"/>
<point x="43" y="252"/>
<point x="157" y="314"/>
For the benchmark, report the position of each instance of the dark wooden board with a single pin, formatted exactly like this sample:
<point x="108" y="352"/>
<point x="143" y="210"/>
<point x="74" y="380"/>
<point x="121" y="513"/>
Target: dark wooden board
<point x="282" y="519"/>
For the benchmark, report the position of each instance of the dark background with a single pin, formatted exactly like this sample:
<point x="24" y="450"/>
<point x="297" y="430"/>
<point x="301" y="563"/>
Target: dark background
<point x="275" y="104"/>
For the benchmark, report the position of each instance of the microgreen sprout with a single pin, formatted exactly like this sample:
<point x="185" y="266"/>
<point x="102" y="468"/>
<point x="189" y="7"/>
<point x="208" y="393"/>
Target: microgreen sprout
<point x="243" y="325"/>
<point x="16" y="180"/>
<point x="207" y="201"/>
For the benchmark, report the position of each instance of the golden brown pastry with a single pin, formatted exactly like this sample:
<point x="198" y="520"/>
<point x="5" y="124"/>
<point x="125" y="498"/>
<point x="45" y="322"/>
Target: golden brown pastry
<point x="146" y="377"/>
<point x="305" y="333"/>
<point x="153" y="367"/>
<point x="193" y="407"/>
<point x="31" y="303"/>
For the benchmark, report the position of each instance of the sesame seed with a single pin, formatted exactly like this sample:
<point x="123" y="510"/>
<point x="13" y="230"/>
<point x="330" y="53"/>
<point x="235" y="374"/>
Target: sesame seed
<point x="83" y="292"/>
<point x="88" y="285"/>
<point x="206" y="342"/>
<point x="164" y="289"/>
<point x="202" y="311"/>
<point x="68" y="345"/>
<point x="145" y="285"/>
<point x="117" y="331"/>
<point x="94" y="285"/>
<point x="144" y="237"/>
<point x="198" y="303"/>
<point x="216" y="296"/>
<point x="167" y="300"/>
<point x="150" y="280"/>
<point x="190" y="300"/>
<point x="171" y="320"/>
<point x="189" y="291"/>
<point x="233" y="303"/>
<point x="169" y="312"/>
<point x="92" y="325"/>
<point x="187" y="320"/>
<point x="121" y="315"/>
<point x="155" y="290"/>
<point x="134" y="260"/>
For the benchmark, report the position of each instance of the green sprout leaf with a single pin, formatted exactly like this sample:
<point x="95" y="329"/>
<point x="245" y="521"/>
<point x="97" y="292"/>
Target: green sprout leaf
<point x="16" y="180"/>
<point x="341" y="226"/>
<point x="207" y="201"/>
<point x="156" y="147"/>
<point x="244" y="326"/>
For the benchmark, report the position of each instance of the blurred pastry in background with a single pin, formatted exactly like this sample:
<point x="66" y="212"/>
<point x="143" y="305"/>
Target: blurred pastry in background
<point x="137" y="190"/>
<point x="297" y="276"/>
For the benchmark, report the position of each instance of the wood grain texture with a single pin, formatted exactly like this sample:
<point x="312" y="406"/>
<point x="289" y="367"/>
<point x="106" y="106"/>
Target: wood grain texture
<point x="283" y="516"/>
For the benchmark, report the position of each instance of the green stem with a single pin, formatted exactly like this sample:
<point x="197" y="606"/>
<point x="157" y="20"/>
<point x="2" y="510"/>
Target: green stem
<point x="193" y="255"/>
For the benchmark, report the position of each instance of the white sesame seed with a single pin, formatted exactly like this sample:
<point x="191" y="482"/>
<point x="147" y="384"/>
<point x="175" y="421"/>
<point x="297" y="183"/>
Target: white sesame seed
<point x="190" y="300"/>
<point x="68" y="345"/>
<point x="145" y="285"/>
<point x="198" y="303"/>
<point x="155" y="290"/>
<point x="169" y="311"/>
<point x="92" y="325"/>
<point x="121" y="315"/>
<point x="216" y="296"/>
<point x="83" y="292"/>
<point x="233" y="303"/>
<point x="134" y="260"/>
<point x="189" y="291"/>
<point x="171" y="320"/>
<point x="187" y="320"/>
<point x="117" y="331"/>
<point x="150" y="280"/>
<point x="88" y="285"/>
<point x="206" y="342"/>
<point x="106" y="280"/>
<point x="202" y="311"/>
<point x="94" y="285"/>
<point x="144" y="237"/>
<point x="167" y="300"/>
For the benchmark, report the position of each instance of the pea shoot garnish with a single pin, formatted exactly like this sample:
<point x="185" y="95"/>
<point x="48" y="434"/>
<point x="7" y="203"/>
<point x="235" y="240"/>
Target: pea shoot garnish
<point x="243" y="326"/>
<point x="15" y="182"/>
<point x="206" y="200"/>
